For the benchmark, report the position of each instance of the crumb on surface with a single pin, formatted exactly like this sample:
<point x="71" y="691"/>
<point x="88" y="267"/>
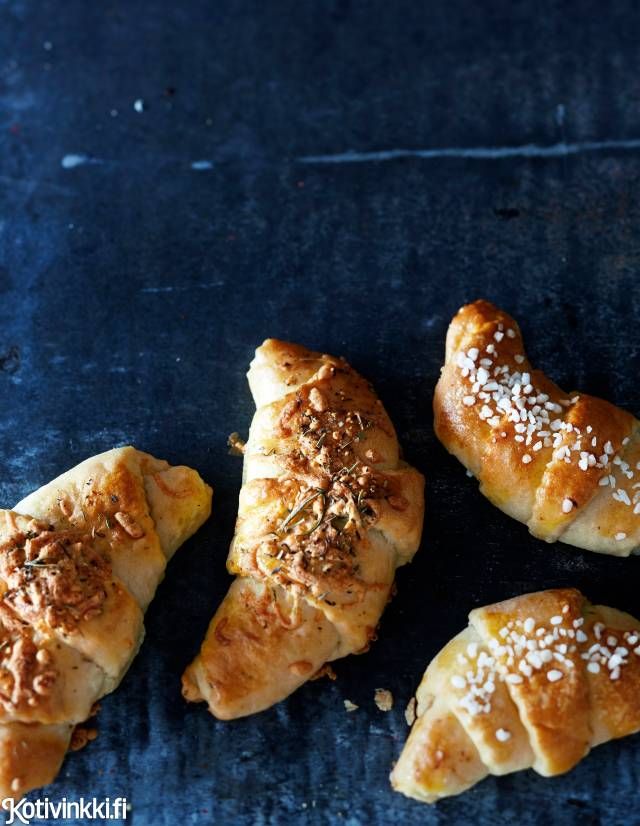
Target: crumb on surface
<point x="349" y="706"/>
<point x="81" y="736"/>
<point x="235" y="444"/>
<point x="325" y="671"/>
<point x="410" y="712"/>
<point x="383" y="698"/>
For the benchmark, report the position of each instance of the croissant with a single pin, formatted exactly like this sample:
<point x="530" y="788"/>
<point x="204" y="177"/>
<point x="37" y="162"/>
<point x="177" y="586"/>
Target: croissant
<point x="565" y="464"/>
<point x="80" y="560"/>
<point x="327" y="512"/>
<point x="532" y="682"/>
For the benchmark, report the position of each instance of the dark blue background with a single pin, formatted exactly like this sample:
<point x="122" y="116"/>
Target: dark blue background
<point x="134" y="288"/>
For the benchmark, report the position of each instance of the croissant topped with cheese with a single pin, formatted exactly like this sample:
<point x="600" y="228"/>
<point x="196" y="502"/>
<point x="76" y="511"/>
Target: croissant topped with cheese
<point x="533" y="682"/>
<point x="565" y="464"/>
<point x="80" y="560"/>
<point x="327" y="512"/>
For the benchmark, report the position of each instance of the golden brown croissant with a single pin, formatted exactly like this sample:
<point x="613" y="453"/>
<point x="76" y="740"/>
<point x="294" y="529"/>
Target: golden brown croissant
<point x="533" y="682"/>
<point x="80" y="560"/>
<point x="327" y="513"/>
<point x="565" y="464"/>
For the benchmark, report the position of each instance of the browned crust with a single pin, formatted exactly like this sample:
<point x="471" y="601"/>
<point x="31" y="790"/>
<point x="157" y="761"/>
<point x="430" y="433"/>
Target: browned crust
<point x="30" y="756"/>
<point x="257" y="631"/>
<point x="523" y="473"/>
<point x="69" y="626"/>
<point x="556" y="714"/>
<point x="326" y="514"/>
<point x="585" y="693"/>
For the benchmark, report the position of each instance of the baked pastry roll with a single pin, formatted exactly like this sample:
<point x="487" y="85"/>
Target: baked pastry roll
<point x="532" y="682"/>
<point x="80" y="560"/>
<point x="327" y="512"/>
<point x="565" y="464"/>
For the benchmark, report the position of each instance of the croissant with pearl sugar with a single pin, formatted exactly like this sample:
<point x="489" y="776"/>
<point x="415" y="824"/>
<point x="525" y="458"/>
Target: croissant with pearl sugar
<point x="565" y="464"/>
<point x="533" y="682"/>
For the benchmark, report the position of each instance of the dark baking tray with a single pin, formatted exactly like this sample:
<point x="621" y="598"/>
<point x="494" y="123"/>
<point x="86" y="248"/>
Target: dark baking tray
<point x="134" y="288"/>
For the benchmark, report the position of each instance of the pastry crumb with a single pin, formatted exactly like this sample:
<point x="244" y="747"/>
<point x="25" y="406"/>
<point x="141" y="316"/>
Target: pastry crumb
<point x="383" y="698"/>
<point x="349" y="706"/>
<point x="236" y="444"/>
<point x="325" y="671"/>
<point x="81" y="736"/>
<point x="410" y="712"/>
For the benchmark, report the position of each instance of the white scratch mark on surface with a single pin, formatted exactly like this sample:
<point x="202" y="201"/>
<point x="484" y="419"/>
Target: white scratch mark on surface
<point x="32" y="184"/>
<point x="201" y="166"/>
<point x="182" y="288"/>
<point x="19" y="102"/>
<point x="71" y="161"/>
<point x="529" y="150"/>
<point x="430" y="321"/>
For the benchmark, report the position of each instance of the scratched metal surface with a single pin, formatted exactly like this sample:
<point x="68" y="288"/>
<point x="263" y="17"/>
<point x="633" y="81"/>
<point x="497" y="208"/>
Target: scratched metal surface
<point x="135" y="285"/>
